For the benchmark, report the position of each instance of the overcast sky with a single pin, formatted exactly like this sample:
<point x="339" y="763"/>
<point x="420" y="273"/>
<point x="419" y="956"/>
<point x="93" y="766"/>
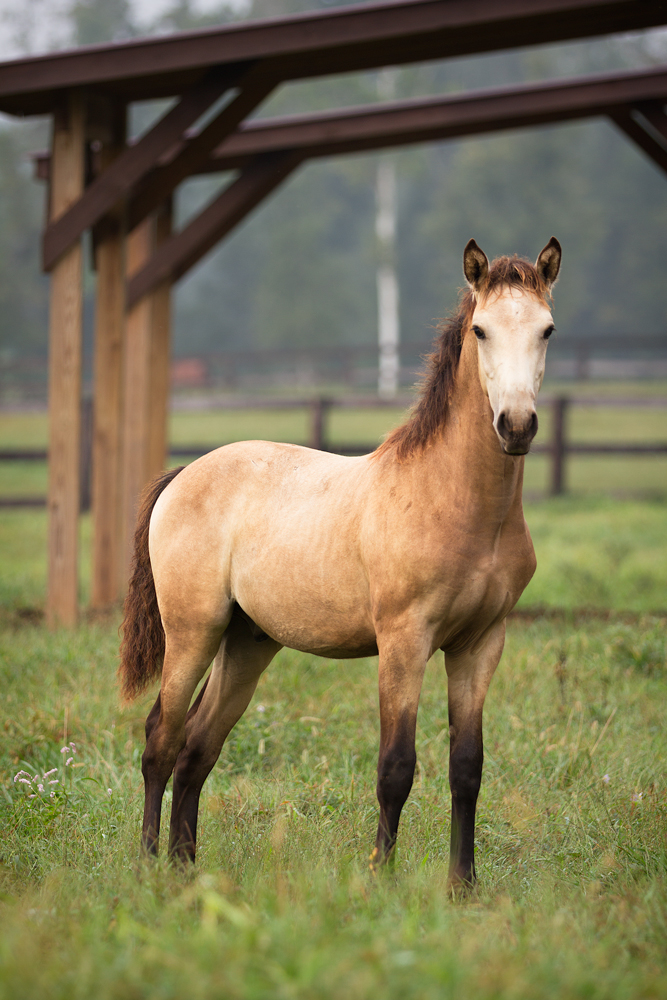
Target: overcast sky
<point x="39" y="26"/>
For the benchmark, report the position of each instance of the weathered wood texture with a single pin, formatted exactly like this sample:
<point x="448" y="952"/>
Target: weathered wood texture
<point x="136" y="391"/>
<point x="145" y="380"/>
<point x="185" y="248"/>
<point x="108" y="369"/>
<point x="160" y="357"/>
<point x="65" y="336"/>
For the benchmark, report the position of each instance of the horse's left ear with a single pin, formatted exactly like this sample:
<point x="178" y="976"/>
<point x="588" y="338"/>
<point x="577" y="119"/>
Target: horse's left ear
<point x="548" y="262"/>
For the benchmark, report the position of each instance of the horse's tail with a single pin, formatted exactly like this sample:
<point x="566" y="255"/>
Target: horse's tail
<point x="142" y="647"/>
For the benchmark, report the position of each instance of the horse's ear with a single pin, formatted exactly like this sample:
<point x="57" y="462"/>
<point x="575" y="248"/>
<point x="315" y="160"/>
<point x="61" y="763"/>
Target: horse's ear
<point x="548" y="262"/>
<point x="475" y="266"/>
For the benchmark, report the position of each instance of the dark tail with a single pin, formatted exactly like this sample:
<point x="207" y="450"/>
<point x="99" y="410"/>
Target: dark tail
<point x="142" y="647"/>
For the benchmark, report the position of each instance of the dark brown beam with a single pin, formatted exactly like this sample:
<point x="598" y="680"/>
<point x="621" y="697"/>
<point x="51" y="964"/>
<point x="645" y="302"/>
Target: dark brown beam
<point x="654" y="113"/>
<point x="627" y="123"/>
<point x="320" y="43"/>
<point x="162" y="181"/>
<point x="171" y="261"/>
<point x="377" y="126"/>
<point x="128" y="168"/>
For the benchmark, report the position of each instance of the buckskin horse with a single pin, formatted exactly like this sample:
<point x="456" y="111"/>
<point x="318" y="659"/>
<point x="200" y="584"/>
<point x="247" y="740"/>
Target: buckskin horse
<point x="421" y="545"/>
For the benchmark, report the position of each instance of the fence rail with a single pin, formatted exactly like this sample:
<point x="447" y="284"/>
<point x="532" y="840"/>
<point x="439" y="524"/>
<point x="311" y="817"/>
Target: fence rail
<point x="629" y="355"/>
<point x="558" y="448"/>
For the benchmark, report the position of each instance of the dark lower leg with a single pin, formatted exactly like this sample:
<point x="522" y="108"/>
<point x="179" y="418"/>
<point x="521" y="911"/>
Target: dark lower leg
<point x="192" y="769"/>
<point x="396" y="770"/>
<point x="465" y="775"/>
<point x="157" y="764"/>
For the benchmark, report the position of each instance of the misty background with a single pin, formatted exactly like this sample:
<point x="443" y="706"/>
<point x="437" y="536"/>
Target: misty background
<point x="300" y="271"/>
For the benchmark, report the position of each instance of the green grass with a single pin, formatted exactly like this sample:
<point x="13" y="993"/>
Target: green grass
<point x="628" y="476"/>
<point x="571" y="833"/>
<point x="572" y="820"/>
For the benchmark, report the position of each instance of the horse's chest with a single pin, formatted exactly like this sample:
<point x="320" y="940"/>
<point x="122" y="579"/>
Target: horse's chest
<point x="481" y="587"/>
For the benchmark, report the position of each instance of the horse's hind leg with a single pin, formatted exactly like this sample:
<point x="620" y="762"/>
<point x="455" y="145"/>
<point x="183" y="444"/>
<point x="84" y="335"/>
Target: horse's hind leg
<point x="401" y="669"/>
<point x="468" y="676"/>
<point x="187" y="657"/>
<point x="236" y="670"/>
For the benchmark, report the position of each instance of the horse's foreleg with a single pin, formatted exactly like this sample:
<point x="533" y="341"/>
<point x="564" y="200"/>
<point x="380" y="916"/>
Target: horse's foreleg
<point x="185" y="662"/>
<point x="401" y="672"/>
<point x="469" y="675"/>
<point x="237" y="668"/>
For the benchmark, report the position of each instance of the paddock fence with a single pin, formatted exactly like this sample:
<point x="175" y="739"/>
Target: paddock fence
<point x="558" y="449"/>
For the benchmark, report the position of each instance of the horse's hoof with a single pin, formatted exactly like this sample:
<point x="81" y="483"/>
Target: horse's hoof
<point x="459" y="887"/>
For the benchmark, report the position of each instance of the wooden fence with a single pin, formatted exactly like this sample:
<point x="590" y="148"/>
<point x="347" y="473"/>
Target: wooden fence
<point x="558" y="448"/>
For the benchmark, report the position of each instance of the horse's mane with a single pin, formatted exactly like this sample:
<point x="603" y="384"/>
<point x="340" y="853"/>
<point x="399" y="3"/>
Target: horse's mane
<point x="438" y="377"/>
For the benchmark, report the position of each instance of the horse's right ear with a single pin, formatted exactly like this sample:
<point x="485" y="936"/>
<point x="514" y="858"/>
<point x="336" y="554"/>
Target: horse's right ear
<point x="475" y="266"/>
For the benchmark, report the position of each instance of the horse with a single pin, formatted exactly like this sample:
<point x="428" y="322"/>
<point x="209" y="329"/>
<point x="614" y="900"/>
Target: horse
<point x="418" y="547"/>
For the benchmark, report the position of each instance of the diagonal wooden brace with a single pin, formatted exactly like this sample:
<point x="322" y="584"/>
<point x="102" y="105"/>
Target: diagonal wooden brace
<point x="632" y="127"/>
<point x="255" y="86"/>
<point x="653" y="112"/>
<point x="132" y="165"/>
<point x="171" y="261"/>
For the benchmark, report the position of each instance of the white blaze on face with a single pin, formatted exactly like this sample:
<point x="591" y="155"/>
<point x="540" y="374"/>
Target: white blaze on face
<point x="512" y="327"/>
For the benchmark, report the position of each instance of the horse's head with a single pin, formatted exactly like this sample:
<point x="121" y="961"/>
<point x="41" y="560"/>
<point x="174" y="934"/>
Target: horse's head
<point x="512" y="323"/>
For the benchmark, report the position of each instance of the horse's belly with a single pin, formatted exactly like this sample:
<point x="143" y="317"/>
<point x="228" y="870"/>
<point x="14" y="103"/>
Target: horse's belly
<point x="307" y="621"/>
<point x="308" y="597"/>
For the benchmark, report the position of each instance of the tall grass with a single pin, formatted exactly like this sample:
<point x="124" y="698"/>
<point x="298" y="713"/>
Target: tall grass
<point x="571" y="833"/>
<point x="572" y="822"/>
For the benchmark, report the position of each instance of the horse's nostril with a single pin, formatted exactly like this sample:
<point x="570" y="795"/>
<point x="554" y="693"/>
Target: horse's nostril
<point x="503" y="429"/>
<point x="532" y="429"/>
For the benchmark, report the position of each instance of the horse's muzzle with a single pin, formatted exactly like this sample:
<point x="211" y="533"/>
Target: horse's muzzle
<point x="516" y="438"/>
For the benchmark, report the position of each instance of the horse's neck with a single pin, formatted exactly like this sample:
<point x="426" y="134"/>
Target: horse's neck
<point x="488" y="482"/>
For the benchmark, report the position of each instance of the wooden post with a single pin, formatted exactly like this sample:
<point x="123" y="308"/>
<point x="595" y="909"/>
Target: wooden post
<point x="558" y="447"/>
<point x="319" y="409"/>
<point x="86" y="451"/>
<point x="136" y="392"/>
<point x="145" y="380"/>
<point x="108" y="363"/>
<point x="65" y="338"/>
<point x="160" y="357"/>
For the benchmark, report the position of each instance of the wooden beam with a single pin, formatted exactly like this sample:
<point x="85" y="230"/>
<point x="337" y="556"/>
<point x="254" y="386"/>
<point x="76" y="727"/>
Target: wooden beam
<point x="187" y="247"/>
<point x="349" y="38"/>
<point x="654" y="113"/>
<point x="108" y="369"/>
<point x="631" y="127"/>
<point x="378" y="126"/>
<point x="132" y="165"/>
<point x="65" y="337"/>
<point x="159" y="185"/>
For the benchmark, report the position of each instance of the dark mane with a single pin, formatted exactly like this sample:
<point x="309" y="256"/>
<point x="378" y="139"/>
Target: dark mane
<point x="429" y="413"/>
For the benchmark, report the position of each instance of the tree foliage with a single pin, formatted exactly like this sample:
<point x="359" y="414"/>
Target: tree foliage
<point x="300" y="270"/>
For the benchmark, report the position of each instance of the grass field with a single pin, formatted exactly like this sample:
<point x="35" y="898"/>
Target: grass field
<point x="629" y="476"/>
<point x="572" y="822"/>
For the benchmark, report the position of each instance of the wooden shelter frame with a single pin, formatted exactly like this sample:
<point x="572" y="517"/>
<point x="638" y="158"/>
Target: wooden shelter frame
<point x="122" y="192"/>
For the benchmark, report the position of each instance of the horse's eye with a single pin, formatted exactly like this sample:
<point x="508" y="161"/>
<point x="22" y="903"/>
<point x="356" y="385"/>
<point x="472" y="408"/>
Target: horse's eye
<point x="479" y="333"/>
<point x="549" y="330"/>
